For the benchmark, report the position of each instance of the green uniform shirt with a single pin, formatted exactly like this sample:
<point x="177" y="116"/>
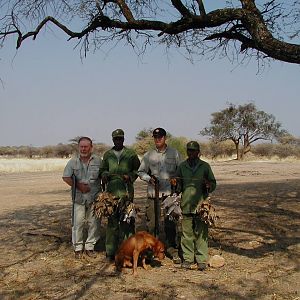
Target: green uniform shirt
<point x="88" y="173"/>
<point x="192" y="186"/>
<point x="114" y="167"/>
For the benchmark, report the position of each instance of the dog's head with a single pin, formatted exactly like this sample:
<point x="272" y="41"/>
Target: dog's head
<point x="159" y="250"/>
<point x="119" y="260"/>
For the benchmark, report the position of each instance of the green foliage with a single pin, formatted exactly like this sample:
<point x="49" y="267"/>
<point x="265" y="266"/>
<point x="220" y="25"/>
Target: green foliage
<point x="178" y="143"/>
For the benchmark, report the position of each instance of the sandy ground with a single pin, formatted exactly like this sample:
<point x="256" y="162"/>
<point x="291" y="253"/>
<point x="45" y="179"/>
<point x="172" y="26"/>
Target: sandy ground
<point x="258" y="236"/>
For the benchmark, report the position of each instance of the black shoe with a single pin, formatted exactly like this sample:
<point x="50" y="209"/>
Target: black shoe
<point x="110" y="258"/>
<point x="78" y="254"/>
<point x="201" y="266"/>
<point x="91" y="253"/>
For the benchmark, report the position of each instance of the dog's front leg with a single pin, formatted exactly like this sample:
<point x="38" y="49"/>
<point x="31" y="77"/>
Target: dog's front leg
<point x="144" y="263"/>
<point x="135" y="261"/>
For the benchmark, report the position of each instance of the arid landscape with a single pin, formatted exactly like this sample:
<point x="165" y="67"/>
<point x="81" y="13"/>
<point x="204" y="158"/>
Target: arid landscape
<point x="257" y="235"/>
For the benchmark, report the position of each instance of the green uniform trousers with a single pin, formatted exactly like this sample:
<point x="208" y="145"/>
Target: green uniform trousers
<point x="194" y="239"/>
<point x="116" y="232"/>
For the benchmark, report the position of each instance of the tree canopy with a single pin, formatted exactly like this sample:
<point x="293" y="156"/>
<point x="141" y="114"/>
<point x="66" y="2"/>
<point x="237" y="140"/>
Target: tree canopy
<point x="235" y="29"/>
<point x="243" y="125"/>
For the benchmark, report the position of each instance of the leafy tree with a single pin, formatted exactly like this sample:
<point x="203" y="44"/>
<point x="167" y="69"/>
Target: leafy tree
<point x="243" y="125"/>
<point x="178" y="143"/>
<point x="144" y="141"/>
<point x="289" y="139"/>
<point x="144" y="134"/>
<point x="236" y="29"/>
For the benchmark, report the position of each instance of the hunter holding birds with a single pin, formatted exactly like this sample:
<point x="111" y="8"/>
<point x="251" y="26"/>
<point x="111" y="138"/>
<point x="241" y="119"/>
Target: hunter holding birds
<point x="119" y="171"/>
<point x="158" y="166"/>
<point x="195" y="180"/>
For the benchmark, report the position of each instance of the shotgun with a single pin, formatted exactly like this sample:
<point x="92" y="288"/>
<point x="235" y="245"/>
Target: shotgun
<point x="156" y="207"/>
<point x="73" y="189"/>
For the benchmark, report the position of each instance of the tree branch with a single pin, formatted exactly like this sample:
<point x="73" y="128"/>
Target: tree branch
<point x="201" y="7"/>
<point x="250" y="29"/>
<point x="181" y="8"/>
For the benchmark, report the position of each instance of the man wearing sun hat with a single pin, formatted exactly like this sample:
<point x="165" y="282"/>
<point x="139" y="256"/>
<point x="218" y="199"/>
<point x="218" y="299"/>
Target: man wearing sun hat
<point x="161" y="164"/>
<point x="119" y="171"/>
<point x="195" y="180"/>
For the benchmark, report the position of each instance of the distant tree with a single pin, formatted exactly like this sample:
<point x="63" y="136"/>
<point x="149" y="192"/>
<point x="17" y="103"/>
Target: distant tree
<point x="178" y="143"/>
<point x="144" y="134"/>
<point x="100" y="148"/>
<point x="62" y="150"/>
<point x="289" y="139"/>
<point x="235" y="29"/>
<point x="144" y="140"/>
<point x="243" y="125"/>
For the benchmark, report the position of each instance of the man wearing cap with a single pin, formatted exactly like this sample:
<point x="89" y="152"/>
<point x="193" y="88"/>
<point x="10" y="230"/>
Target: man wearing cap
<point x="82" y="173"/>
<point x="119" y="171"/>
<point x="160" y="164"/>
<point x="195" y="180"/>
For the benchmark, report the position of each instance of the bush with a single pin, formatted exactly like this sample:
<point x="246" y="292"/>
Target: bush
<point x="265" y="150"/>
<point x="214" y="150"/>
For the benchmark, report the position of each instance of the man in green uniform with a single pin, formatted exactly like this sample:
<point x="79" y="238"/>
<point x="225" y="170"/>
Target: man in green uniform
<point x="195" y="180"/>
<point x="119" y="171"/>
<point x="86" y="169"/>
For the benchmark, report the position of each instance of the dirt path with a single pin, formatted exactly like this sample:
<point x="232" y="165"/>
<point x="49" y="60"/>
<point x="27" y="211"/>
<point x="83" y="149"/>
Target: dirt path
<point x="258" y="235"/>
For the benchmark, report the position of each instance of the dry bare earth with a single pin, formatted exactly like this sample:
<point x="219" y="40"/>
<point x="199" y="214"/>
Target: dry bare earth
<point x="258" y="236"/>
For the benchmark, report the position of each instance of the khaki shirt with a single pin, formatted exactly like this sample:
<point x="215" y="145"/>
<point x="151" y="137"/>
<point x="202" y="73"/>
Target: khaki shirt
<point x="162" y="165"/>
<point x="88" y="173"/>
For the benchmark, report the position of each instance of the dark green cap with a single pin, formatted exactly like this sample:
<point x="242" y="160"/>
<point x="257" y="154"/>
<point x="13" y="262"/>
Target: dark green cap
<point x="117" y="133"/>
<point x="193" y="145"/>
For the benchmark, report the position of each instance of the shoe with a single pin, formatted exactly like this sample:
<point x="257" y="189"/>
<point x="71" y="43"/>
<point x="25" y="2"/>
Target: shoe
<point x="176" y="260"/>
<point x="91" y="253"/>
<point x="186" y="265"/>
<point x="201" y="266"/>
<point x="78" y="254"/>
<point x="110" y="258"/>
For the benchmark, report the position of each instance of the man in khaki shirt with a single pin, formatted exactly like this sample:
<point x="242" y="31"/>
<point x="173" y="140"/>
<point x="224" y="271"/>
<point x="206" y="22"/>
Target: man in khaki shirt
<point x="161" y="163"/>
<point x="86" y="169"/>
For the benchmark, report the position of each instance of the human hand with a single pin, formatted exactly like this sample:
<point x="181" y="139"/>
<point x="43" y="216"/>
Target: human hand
<point x="152" y="180"/>
<point x="83" y="187"/>
<point x="207" y="184"/>
<point x="126" y="178"/>
<point x="104" y="179"/>
<point x="173" y="181"/>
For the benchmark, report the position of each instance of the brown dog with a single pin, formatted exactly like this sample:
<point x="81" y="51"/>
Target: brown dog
<point x="135" y="247"/>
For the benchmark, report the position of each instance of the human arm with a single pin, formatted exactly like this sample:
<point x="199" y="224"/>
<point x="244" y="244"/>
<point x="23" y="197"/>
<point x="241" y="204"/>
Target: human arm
<point x="81" y="186"/>
<point x="132" y="175"/>
<point x="209" y="180"/>
<point x="144" y="169"/>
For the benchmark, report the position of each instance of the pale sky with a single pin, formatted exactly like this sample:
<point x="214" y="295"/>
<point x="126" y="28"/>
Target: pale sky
<point x="48" y="95"/>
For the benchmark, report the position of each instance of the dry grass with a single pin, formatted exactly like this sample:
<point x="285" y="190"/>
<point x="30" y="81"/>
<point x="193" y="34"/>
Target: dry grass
<point x="19" y="165"/>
